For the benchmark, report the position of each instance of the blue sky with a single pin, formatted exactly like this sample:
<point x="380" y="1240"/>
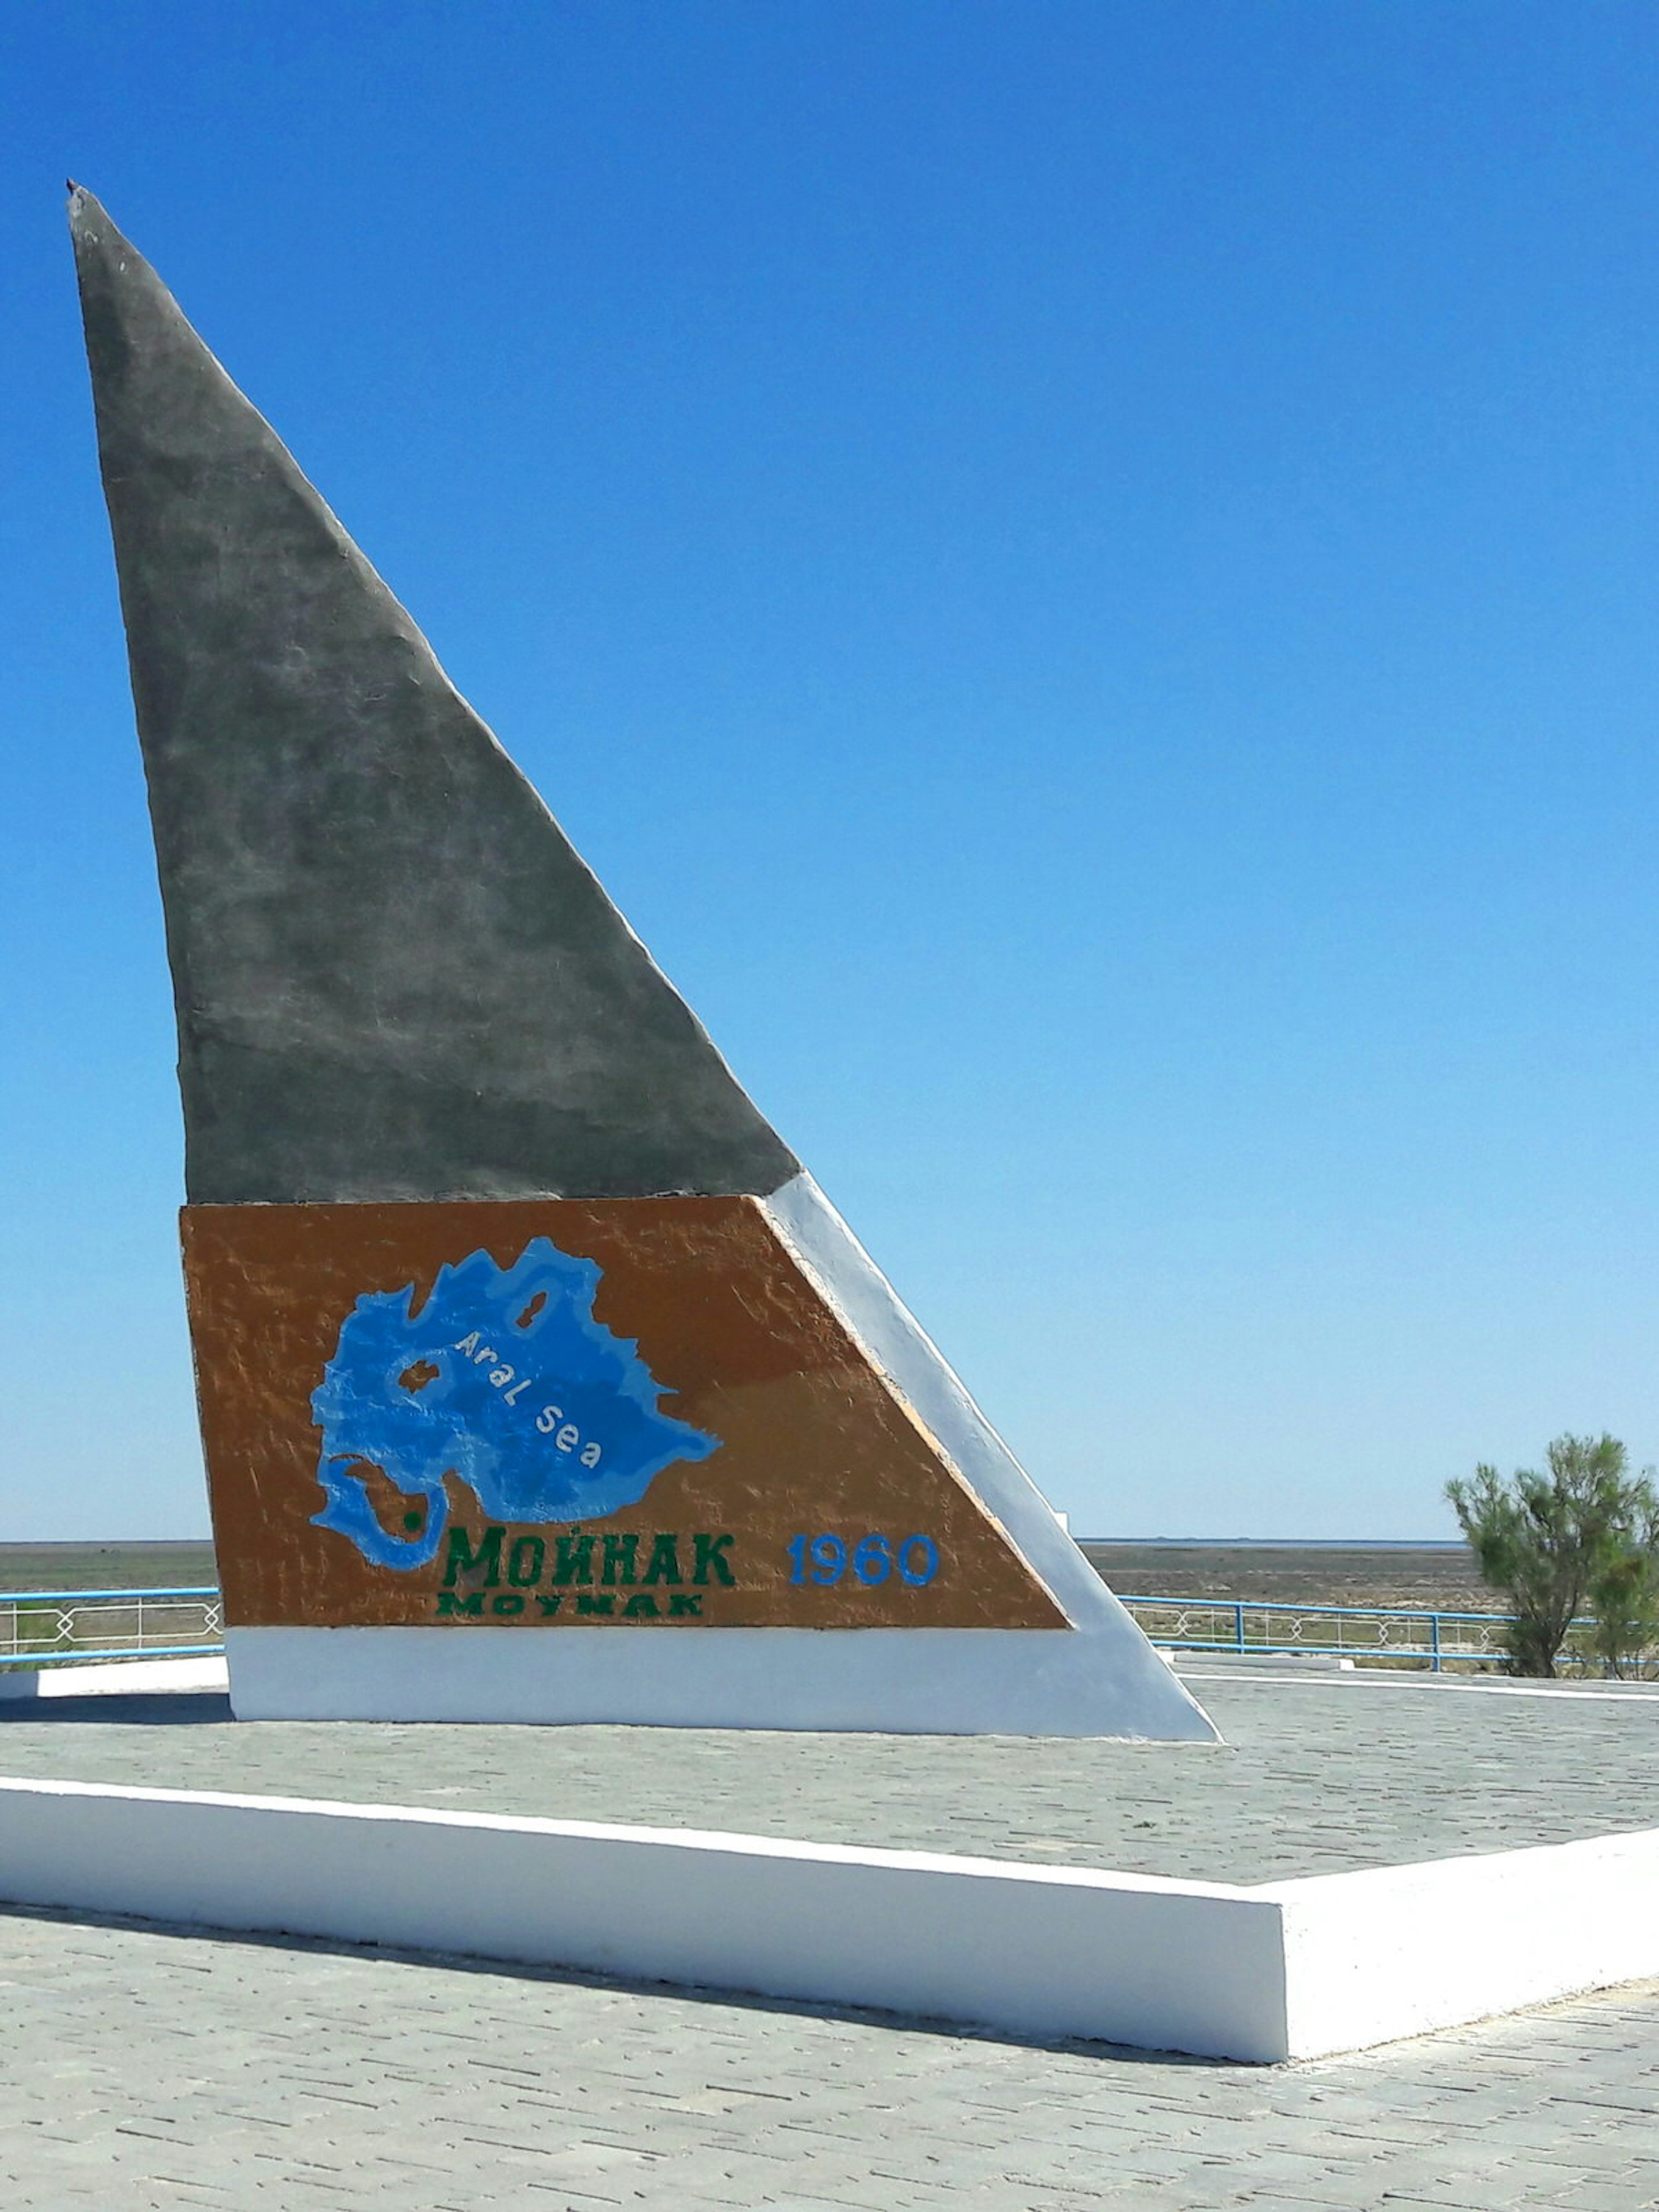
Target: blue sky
<point x="1084" y="572"/>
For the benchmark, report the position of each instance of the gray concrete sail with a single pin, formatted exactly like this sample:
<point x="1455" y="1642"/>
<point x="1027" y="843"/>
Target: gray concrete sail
<point x="395" y="978"/>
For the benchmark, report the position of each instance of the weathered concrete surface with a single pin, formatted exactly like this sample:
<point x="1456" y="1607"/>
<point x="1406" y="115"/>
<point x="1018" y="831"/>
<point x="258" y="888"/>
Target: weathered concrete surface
<point x="395" y="978"/>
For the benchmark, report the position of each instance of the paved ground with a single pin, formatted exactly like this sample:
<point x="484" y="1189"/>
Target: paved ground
<point x="1332" y="1771"/>
<point x="146" y="2068"/>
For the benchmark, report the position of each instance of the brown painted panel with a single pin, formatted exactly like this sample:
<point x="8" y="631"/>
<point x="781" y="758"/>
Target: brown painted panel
<point x="802" y="1437"/>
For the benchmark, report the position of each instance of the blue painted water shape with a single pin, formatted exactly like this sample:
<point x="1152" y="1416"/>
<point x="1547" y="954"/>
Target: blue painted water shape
<point x="503" y="1379"/>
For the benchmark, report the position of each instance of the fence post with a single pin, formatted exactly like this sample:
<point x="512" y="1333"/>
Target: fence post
<point x="1434" y="1642"/>
<point x="1238" y="1625"/>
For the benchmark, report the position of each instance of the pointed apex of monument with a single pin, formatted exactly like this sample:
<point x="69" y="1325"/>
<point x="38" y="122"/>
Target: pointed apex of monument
<point x="87" y="217"/>
<point x="394" y="978"/>
<point x="89" y="226"/>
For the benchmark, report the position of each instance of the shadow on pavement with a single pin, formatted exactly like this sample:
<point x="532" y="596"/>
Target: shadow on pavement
<point x="157" y="1709"/>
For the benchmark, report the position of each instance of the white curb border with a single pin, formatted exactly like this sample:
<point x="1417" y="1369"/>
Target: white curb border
<point x="1298" y="1969"/>
<point x="114" y="1678"/>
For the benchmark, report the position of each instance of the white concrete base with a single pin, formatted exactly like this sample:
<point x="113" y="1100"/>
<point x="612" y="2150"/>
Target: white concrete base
<point x="1183" y="1965"/>
<point x="1290" y="1970"/>
<point x="123" y="1677"/>
<point x="929" y="1681"/>
<point x="1397" y="1951"/>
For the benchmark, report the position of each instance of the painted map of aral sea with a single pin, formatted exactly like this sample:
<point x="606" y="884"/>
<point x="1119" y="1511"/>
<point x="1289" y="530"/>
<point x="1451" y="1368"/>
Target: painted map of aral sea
<point x="503" y="1380"/>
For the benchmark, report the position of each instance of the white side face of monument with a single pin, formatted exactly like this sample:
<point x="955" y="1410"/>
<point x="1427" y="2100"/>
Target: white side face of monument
<point x="539" y="1381"/>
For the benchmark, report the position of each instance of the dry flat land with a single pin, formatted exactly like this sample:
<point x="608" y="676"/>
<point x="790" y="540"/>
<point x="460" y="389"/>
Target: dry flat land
<point x="105" y="1567"/>
<point x="1430" y="1577"/>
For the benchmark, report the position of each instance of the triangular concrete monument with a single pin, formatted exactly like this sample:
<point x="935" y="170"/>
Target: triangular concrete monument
<point x="537" y="1382"/>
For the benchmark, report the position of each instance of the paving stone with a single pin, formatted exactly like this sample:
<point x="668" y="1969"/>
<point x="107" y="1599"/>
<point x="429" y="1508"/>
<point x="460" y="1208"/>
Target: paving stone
<point x="1636" y="2193"/>
<point x="588" y="2093"/>
<point x="1418" y="1769"/>
<point x="248" y="2073"/>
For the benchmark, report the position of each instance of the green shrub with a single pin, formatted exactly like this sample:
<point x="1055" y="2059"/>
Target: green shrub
<point x="1584" y="1537"/>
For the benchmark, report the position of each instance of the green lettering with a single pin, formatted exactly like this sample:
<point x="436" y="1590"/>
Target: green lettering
<point x="508" y="1603"/>
<point x="664" y="1564"/>
<point x="462" y="1559"/>
<point x="524" y="1562"/>
<point x="572" y="1559"/>
<point x="451" y="1603"/>
<point x="640" y="1606"/>
<point x="711" y="1560"/>
<point x="619" y="1556"/>
<point x="683" y="1605"/>
<point x="549" y="1606"/>
<point x="601" y="1603"/>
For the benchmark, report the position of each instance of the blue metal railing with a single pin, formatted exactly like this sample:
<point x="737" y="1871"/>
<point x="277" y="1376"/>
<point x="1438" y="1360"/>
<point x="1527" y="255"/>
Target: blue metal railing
<point x="1353" y="1631"/>
<point x="55" y="1627"/>
<point x="47" y="1628"/>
